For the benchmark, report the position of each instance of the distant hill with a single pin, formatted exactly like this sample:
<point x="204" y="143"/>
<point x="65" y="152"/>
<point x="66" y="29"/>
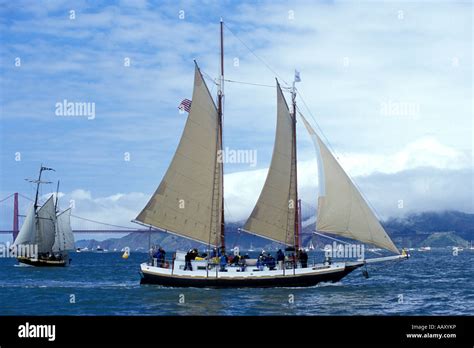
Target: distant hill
<point x="437" y="229"/>
<point x="424" y="228"/>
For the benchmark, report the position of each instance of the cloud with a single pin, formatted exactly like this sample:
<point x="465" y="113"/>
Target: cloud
<point x="423" y="152"/>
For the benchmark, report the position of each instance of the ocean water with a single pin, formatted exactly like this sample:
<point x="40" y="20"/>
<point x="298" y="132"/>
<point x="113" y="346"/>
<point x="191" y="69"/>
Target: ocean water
<point x="429" y="283"/>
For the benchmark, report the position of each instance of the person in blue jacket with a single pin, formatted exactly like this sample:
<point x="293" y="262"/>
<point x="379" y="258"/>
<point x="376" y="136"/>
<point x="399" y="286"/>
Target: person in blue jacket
<point x="223" y="262"/>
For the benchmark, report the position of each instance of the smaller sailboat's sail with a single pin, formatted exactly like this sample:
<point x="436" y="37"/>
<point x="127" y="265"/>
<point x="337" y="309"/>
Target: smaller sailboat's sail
<point x="274" y="214"/>
<point x="46" y="229"/>
<point x="341" y="208"/>
<point x="187" y="201"/>
<point x="27" y="234"/>
<point x="64" y="236"/>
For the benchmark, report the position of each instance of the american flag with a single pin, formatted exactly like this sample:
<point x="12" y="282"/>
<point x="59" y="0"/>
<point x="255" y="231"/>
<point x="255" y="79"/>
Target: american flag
<point x="185" y="105"/>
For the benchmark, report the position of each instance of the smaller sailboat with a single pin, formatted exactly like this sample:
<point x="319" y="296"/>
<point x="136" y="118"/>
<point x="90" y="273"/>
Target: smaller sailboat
<point x="310" y="245"/>
<point x="47" y="230"/>
<point x="427" y="248"/>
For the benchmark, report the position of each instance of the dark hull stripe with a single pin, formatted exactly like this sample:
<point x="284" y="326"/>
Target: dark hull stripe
<point x="42" y="263"/>
<point x="288" y="281"/>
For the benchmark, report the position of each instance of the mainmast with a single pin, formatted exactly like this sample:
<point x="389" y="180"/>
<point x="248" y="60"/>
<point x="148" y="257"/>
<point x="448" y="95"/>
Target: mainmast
<point x="297" y="204"/>
<point x="38" y="182"/>
<point x="37" y="187"/>
<point x="220" y="96"/>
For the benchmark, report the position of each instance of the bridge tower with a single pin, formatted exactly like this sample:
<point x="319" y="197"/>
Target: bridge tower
<point x="15" y="216"/>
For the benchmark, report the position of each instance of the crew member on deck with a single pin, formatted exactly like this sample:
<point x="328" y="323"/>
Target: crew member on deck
<point x="187" y="261"/>
<point x="303" y="258"/>
<point x="280" y="258"/>
<point x="223" y="263"/>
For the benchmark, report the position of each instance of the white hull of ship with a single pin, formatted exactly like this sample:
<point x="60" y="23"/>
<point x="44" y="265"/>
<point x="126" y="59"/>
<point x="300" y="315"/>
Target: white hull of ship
<point x="202" y="276"/>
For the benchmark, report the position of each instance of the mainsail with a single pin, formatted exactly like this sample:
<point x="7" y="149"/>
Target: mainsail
<point x="46" y="226"/>
<point x="187" y="201"/>
<point x="341" y="208"/>
<point x="64" y="236"/>
<point x="274" y="214"/>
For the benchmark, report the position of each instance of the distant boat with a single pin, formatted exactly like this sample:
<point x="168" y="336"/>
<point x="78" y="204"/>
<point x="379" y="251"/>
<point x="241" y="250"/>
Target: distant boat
<point x="99" y="249"/>
<point x="310" y="246"/>
<point x="424" y="248"/>
<point x="457" y="249"/>
<point x="47" y="229"/>
<point x="78" y="250"/>
<point x="374" y="249"/>
<point x="251" y="248"/>
<point x="471" y="247"/>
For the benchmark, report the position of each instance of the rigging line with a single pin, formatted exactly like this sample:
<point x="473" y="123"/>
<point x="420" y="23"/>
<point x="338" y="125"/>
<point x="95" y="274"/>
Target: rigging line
<point x="335" y="153"/>
<point x="260" y="59"/>
<point x="28" y="198"/>
<point x="250" y="83"/>
<point x="103" y="223"/>
<point x="314" y="120"/>
<point x="206" y="75"/>
<point x="6" y="198"/>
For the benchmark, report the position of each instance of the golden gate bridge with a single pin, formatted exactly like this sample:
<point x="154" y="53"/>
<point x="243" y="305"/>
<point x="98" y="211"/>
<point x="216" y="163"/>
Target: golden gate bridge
<point x="10" y="213"/>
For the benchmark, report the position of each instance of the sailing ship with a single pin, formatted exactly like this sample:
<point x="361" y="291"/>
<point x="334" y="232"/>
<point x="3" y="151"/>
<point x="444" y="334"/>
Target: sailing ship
<point x="47" y="229"/>
<point x="189" y="202"/>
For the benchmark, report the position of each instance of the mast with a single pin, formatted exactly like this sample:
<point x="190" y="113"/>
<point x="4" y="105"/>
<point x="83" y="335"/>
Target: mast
<point x="37" y="186"/>
<point x="56" y="203"/>
<point x="38" y="182"/>
<point x="220" y="95"/>
<point x="295" y="172"/>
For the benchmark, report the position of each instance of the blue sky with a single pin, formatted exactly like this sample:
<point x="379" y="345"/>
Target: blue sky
<point x="356" y="59"/>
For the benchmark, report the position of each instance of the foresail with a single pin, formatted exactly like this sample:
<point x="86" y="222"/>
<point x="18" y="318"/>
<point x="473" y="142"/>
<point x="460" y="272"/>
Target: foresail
<point x="46" y="226"/>
<point x="27" y="234"/>
<point x="341" y="208"/>
<point x="273" y="216"/>
<point x="182" y="203"/>
<point x="64" y="239"/>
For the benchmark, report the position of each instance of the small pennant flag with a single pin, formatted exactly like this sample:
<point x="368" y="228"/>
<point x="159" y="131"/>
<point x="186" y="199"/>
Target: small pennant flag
<point x="185" y="105"/>
<point x="297" y="76"/>
<point x="46" y="168"/>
